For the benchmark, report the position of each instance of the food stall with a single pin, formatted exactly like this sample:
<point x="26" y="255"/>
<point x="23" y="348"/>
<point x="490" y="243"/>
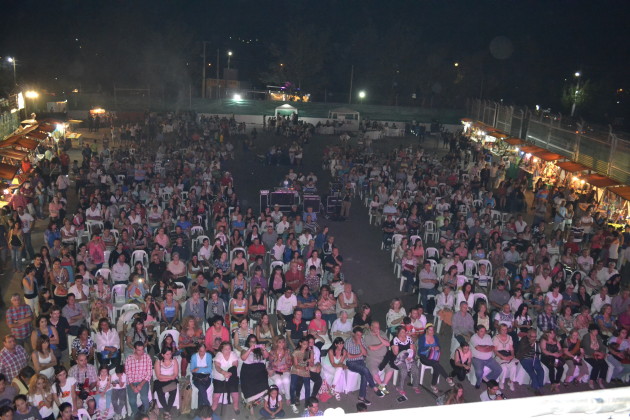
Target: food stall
<point x="619" y="207"/>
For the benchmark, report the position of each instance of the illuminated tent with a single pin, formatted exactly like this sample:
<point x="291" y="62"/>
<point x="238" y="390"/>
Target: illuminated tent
<point x="286" y="109"/>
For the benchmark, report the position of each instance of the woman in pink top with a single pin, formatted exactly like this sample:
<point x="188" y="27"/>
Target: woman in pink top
<point x="96" y="248"/>
<point x="418" y="250"/>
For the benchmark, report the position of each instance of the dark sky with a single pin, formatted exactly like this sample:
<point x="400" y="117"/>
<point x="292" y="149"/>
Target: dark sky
<point x="520" y="51"/>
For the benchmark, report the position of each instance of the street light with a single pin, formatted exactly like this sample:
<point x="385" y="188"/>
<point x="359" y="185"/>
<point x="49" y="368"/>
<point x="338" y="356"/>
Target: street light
<point x="362" y="95"/>
<point x="31" y="94"/>
<point x="456" y="64"/>
<point x="229" y="58"/>
<point x="12" y="61"/>
<point x="577" y="92"/>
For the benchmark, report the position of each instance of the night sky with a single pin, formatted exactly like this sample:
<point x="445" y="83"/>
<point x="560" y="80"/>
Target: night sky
<point x="518" y="51"/>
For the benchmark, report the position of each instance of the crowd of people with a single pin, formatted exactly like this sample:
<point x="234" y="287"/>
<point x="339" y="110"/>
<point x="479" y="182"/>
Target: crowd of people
<point x="153" y="280"/>
<point x="518" y="295"/>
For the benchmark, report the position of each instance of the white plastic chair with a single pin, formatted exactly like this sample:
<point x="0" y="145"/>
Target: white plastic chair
<point x="196" y="231"/>
<point x="197" y="243"/>
<point x="235" y="250"/>
<point x="139" y="255"/>
<point x="106" y="273"/>
<point x="413" y="239"/>
<point x="470" y="268"/>
<point x="172" y="332"/>
<point x="430" y="231"/>
<point x="275" y="264"/>
<point x="119" y="298"/>
<point x="106" y="257"/>
<point x="396" y="239"/>
<point x="488" y="265"/>
<point x="432" y="253"/>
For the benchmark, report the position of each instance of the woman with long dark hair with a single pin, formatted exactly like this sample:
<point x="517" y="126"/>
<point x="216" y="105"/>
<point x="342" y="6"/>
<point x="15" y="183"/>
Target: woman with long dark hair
<point x="254" y="380"/>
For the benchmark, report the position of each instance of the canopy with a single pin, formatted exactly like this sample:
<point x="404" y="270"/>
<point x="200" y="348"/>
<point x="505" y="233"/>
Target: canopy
<point x="344" y="114"/>
<point x="27" y="143"/>
<point x="572" y="166"/>
<point x="513" y="141"/>
<point x="466" y="120"/>
<point x="13" y="154"/>
<point x="600" y="181"/>
<point x="546" y="155"/>
<point x="623" y="191"/>
<point x="37" y="135"/>
<point x="8" y="171"/>
<point x="286" y="109"/>
<point x="498" y="135"/>
<point x="532" y="149"/>
<point x="47" y="127"/>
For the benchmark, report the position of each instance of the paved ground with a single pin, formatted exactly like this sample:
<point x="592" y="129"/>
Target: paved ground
<point x="366" y="266"/>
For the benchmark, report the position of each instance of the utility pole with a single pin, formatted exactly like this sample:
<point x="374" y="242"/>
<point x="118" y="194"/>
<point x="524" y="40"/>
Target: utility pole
<point x="218" y="66"/>
<point x="351" y="78"/>
<point x="203" y="72"/>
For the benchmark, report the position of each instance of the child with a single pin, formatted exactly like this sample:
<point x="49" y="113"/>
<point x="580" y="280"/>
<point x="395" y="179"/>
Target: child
<point x="119" y="391"/>
<point x="103" y="388"/>
<point x="273" y="404"/>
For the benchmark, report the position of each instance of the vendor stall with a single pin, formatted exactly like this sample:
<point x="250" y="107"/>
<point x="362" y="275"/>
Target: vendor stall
<point x="285" y="110"/>
<point x="619" y="208"/>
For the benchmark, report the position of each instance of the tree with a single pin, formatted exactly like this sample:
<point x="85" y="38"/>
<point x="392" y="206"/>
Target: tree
<point x="576" y="95"/>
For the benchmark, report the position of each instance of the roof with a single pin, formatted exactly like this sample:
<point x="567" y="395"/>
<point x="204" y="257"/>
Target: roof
<point x="600" y="181"/>
<point x="572" y="166"/>
<point x="8" y="171"/>
<point x="546" y="155"/>
<point x="498" y="135"/>
<point x="532" y="149"/>
<point x="27" y="143"/>
<point x="622" y="191"/>
<point x="286" y="106"/>
<point x="514" y="141"/>
<point x="39" y="135"/>
<point x="13" y="153"/>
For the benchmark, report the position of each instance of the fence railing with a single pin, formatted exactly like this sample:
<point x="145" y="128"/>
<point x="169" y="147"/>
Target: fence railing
<point x="602" y="150"/>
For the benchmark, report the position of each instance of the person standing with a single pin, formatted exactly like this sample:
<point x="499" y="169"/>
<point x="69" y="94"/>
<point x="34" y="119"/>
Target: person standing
<point x="13" y="358"/>
<point x="346" y="203"/>
<point x="139" y="370"/>
<point x="28" y="224"/>
<point x="19" y="319"/>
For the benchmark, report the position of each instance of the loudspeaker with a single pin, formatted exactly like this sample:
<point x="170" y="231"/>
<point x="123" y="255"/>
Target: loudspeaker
<point x="264" y="200"/>
<point x="282" y="198"/>
<point x="312" y="201"/>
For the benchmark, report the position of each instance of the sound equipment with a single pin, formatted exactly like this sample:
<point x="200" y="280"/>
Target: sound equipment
<point x="313" y="201"/>
<point x="264" y="200"/>
<point x="333" y="205"/>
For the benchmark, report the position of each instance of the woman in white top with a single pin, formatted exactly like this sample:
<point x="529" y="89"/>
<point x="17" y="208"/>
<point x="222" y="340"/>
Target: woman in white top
<point x="64" y="388"/>
<point x="334" y="367"/>
<point x="516" y="300"/>
<point x="466" y="295"/>
<point x="342" y="327"/>
<point x="444" y="304"/>
<point x="107" y="344"/>
<point x="39" y="396"/>
<point x="166" y="373"/>
<point x="44" y="360"/>
<point x="225" y="377"/>
<point x="504" y="355"/>
<point x="395" y="314"/>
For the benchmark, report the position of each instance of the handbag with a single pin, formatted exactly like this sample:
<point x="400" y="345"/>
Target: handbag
<point x="169" y="387"/>
<point x="202" y="378"/>
<point x="434" y="354"/>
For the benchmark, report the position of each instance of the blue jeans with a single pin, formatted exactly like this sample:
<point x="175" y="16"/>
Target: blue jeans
<point x="359" y="366"/>
<point x="534" y="369"/>
<point x="480" y="364"/>
<point x="280" y="414"/>
<point x="28" y="246"/>
<point x="108" y="399"/>
<point x="144" y="397"/>
<point x="296" y="386"/>
<point x="16" y="257"/>
<point x="424" y="296"/>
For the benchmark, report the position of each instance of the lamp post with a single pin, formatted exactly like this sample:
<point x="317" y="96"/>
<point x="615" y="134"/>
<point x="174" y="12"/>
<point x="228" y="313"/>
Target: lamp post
<point x="12" y="61"/>
<point x="229" y="58"/>
<point x="362" y="95"/>
<point x="577" y="92"/>
<point x="29" y="94"/>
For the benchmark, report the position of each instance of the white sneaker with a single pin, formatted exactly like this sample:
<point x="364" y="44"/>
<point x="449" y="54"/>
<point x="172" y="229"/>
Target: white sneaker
<point x="294" y="408"/>
<point x="512" y="386"/>
<point x="501" y="385"/>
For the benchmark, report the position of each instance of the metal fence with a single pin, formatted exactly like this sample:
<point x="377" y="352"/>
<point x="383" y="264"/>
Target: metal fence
<point x="596" y="148"/>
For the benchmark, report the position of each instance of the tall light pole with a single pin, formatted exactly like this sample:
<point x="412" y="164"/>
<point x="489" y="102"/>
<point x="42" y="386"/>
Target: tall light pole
<point x="12" y="61"/>
<point x="203" y="72"/>
<point x="577" y="92"/>
<point x="229" y="58"/>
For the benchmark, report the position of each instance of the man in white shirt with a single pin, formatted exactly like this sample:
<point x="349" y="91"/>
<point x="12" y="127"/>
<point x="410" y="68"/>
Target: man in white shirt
<point x="600" y="300"/>
<point x="81" y="291"/>
<point x="205" y="252"/>
<point x="585" y="261"/>
<point x="278" y="250"/>
<point x="390" y="208"/>
<point x="282" y="226"/>
<point x="286" y="304"/>
<point x="28" y="224"/>
<point x="93" y="213"/>
<point x="276" y="214"/>
<point x="483" y="356"/>
<point x="520" y="224"/>
<point x="121" y="271"/>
